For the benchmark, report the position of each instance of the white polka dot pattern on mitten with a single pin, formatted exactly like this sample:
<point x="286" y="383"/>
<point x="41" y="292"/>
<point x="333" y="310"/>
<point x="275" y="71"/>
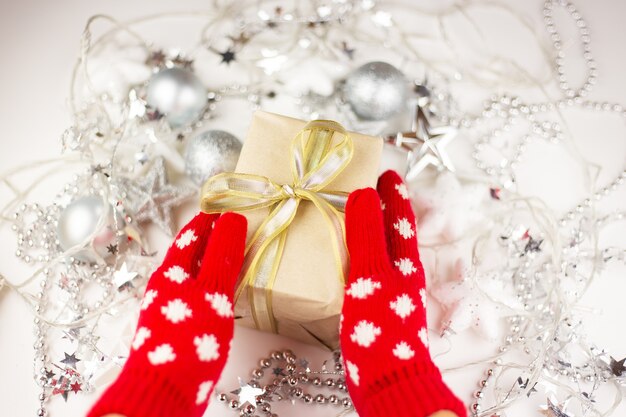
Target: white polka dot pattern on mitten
<point x="161" y="354"/>
<point x="405" y="228"/>
<point x="403" y="351"/>
<point x="365" y="333"/>
<point x="363" y="288"/>
<point x="353" y="372"/>
<point x="405" y="265"/>
<point x="422" y="293"/>
<point x="220" y="303"/>
<point x="402" y="190"/>
<point x="206" y="347"/>
<point x="203" y="392"/>
<point x="186" y="238"/>
<point x="141" y="335"/>
<point x="176" y="274"/>
<point x="423" y="335"/>
<point x="148" y="298"/>
<point x="403" y="306"/>
<point x="176" y="311"/>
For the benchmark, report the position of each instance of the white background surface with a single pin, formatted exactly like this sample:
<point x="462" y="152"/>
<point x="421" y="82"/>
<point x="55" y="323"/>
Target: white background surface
<point x="39" y="42"/>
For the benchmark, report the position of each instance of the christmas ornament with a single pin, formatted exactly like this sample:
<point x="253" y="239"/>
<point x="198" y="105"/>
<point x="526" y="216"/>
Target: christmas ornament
<point x="425" y="145"/>
<point x="152" y="197"/>
<point x="178" y="94"/>
<point x="210" y="153"/>
<point x="376" y="91"/>
<point x="87" y="217"/>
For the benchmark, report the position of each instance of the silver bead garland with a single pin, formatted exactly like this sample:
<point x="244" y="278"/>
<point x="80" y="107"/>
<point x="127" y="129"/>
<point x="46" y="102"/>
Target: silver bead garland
<point x="283" y="377"/>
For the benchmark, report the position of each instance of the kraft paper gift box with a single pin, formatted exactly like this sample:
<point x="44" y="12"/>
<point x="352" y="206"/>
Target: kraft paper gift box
<point x="305" y="299"/>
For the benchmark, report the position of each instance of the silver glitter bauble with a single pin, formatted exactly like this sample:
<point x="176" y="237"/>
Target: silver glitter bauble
<point x="210" y="153"/>
<point x="376" y="91"/>
<point x="178" y="94"/>
<point x="79" y="220"/>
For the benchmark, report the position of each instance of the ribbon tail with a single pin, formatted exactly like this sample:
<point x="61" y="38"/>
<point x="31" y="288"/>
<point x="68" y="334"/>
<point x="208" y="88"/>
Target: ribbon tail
<point x="261" y="262"/>
<point x="334" y="219"/>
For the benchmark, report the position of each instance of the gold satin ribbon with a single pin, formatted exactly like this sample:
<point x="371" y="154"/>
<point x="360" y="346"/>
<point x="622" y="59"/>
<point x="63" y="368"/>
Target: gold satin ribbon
<point x="315" y="162"/>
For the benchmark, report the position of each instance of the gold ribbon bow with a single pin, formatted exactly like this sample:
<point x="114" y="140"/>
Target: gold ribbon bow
<point x="316" y="161"/>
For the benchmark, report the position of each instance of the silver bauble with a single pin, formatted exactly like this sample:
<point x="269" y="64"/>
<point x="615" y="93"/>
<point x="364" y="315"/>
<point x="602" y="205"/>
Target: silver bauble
<point x="376" y="91"/>
<point x="79" y="220"/>
<point x="178" y="94"/>
<point x="210" y="153"/>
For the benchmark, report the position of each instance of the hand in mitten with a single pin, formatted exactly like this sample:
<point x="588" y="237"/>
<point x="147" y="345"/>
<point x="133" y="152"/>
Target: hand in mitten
<point x="384" y="339"/>
<point x="185" y="326"/>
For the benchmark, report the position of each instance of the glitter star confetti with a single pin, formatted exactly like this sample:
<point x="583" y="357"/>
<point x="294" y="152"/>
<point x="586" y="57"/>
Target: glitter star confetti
<point x="70" y="360"/>
<point x="247" y="393"/>
<point x="123" y="278"/>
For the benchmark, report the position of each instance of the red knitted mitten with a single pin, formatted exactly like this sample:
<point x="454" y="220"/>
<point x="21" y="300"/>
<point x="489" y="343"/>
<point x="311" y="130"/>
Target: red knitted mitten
<point x="383" y="333"/>
<point x="185" y="327"/>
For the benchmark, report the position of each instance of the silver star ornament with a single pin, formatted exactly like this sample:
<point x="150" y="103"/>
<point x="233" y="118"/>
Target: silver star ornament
<point x="151" y="198"/>
<point x="425" y="145"/>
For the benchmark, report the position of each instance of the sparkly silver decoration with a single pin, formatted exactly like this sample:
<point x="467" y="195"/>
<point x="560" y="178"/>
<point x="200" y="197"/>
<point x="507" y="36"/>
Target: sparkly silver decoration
<point x="425" y="145"/>
<point x="152" y="199"/>
<point x="83" y="218"/>
<point x="376" y="91"/>
<point x="554" y="410"/>
<point x="178" y="94"/>
<point x="283" y="377"/>
<point x="210" y="153"/>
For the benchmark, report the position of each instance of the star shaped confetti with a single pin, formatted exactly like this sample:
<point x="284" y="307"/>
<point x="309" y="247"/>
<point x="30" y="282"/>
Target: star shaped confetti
<point x="156" y="59"/>
<point x="152" y="198"/>
<point x="76" y="387"/>
<point x="181" y="61"/>
<point x="70" y="360"/>
<point x="425" y="145"/>
<point x="533" y="245"/>
<point x="112" y="249"/>
<point x="617" y="367"/>
<point x="554" y="410"/>
<point x="247" y="393"/>
<point x="227" y="56"/>
<point x="241" y="39"/>
<point x="123" y="278"/>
